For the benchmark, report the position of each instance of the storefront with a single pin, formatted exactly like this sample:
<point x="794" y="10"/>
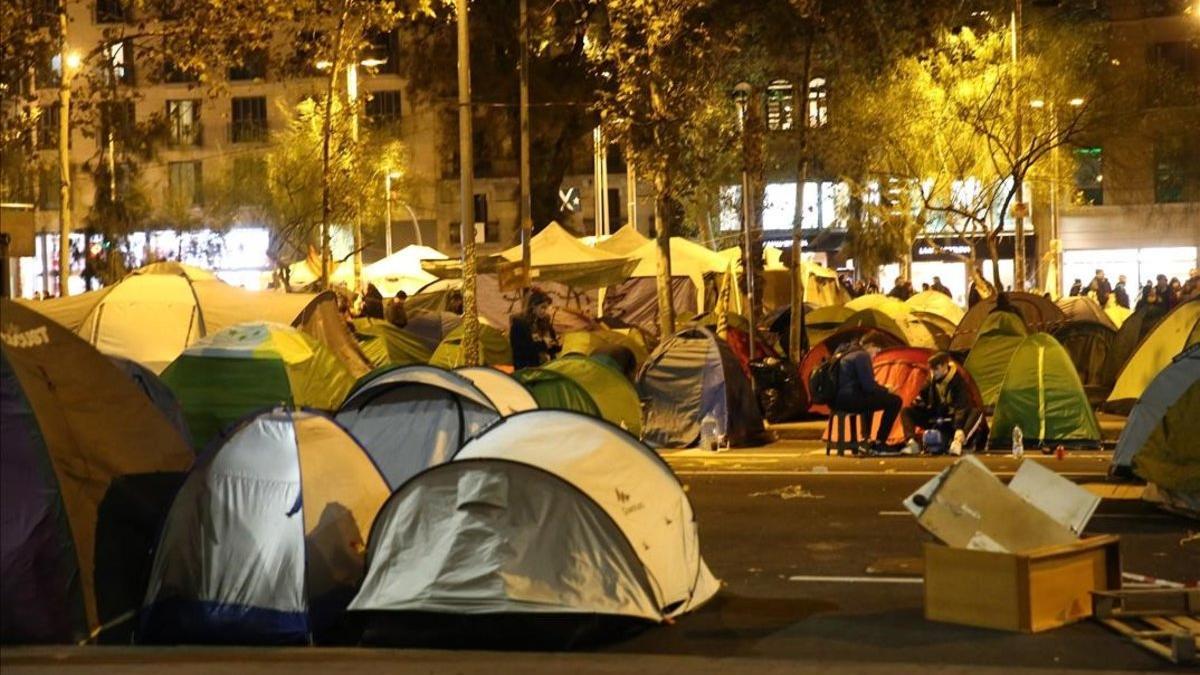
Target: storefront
<point x="943" y="258"/>
<point x="1137" y="265"/>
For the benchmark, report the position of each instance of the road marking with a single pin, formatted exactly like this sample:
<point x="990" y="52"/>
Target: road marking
<point x="1146" y="516"/>
<point x="857" y="580"/>
<point x="885" y="473"/>
<point x="894" y="513"/>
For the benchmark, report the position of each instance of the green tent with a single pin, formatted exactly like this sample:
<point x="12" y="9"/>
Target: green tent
<point x="386" y="345"/>
<point x="987" y="362"/>
<point x="230" y="374"/>
<point x="613" y="394"/>
<point x="496" y="349"/>
<point x="555" y="391"/>
<point x="588" y="342"/>
<point x="1042" y="394"/>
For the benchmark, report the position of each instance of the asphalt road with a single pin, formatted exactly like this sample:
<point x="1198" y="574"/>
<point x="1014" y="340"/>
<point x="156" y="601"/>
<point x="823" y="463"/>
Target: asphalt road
<point x="821" y="568"/>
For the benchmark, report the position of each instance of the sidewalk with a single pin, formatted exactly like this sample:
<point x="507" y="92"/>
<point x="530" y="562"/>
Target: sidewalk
<point x="811" y="430"/>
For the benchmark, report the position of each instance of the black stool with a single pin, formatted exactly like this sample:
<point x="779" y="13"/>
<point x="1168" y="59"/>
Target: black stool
<point x="846" y="425"/>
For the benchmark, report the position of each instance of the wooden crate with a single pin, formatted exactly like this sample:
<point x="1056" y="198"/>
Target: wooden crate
<point x="1028" y="592"/>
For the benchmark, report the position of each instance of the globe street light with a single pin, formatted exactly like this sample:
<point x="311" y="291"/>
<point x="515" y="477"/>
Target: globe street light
<point x="387" y="186"/>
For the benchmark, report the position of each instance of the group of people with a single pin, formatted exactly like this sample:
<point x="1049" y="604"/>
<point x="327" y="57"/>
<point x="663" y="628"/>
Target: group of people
<point x="944" y="405"/>
<point x="901" y="290"/>
<point x="1161" y="293"/>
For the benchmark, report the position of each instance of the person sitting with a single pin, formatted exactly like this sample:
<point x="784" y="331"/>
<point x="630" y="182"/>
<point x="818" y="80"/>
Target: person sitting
<point x="859" y="392"/>
<point x="944" y="404"/>
<point x="531" y="333"/>
<point x="372" y="304"/>
<point x="1076" y="288"/>
<point x="396" y="314"/>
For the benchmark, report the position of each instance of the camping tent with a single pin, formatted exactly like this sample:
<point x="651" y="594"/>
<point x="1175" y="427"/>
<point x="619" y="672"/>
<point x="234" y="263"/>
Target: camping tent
<point x="430" y="327"/>
<point x="988" y="360"/>
<point x="1088" y="343"/>
<point x="264" y="541"/>
<point x="933" y="302"/>
<point x="555" y="255"/>
<point x="601" y="338"/>
<point x="533" y="533"/>
<point x="1042" y="395"/>
<point x="895" y="318"/>
<point x="1038" y="313"/>
<point x="154" y="313"/>
<point x="1117" y="314"/>
<point x="87" y="475"/>
<point x="819" y="322"/>
<point x="623" y="242"/>
<point x="821" y="288"/>
<point x="614" y="395"/>
<point x="229" y="374"/>
<point x="691" y="375"/>
<point x="1178" y="331"/>
<point x="1159" y="439"/>
<point x="401" y="271"/>
<point x="412" y="417"/>
<point x="508" y="395"/>
<point x="156" y="390"/>
<point x="1084" y="309"/>
<point x="688" y="259"/>
<point x="823" y="349"/>
<point x="1137" y="326"/>
<point x="387" y="345"/>
<point x="556" y="391"/>
<point x="494" y="347"/>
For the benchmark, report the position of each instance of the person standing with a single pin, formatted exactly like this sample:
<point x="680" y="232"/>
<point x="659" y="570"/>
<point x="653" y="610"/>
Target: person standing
<point x="372" y="303"/>
<point x="396" y="314"/>
<point x="1076" y="288"/>
<point x="940" y="287"/>
<point x="1122" y="295"/>
<point x="859" y="392"/>
<point x="902" y="290"/>
<point x="1100" y="288"/>
<point x="531" y="333"/>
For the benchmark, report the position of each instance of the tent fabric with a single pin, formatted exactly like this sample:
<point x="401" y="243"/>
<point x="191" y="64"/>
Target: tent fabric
<point x="688" y="259"/>
<point x="555" y="391"/>
<point x="430" y="327"/>
<point x="615" y="396"/>
<point x="572" y="309"/>
<point x="1137" y="326"/>
<point x="1088" y="344"/>
<point x="73" y="430"/>
<point x="229" y="374"/>
<point x="1159" y="439"/>
<point x="1178" y="331"/>
<point x="1117" y="314"/>
<point x="988" y="360"/>
<point x="624" y="241"/>
<point x="690" y="375"/>
<point x="387" y="345"/>
<point x="401" y="271"/>
<point x="633" y="485"/>
<point x="263" y="543"/>
<point x="1084" y="309"/>
<point x="412" y="417"/>
<point x="635" y="302"/>
<point x="600" y="338"/>
<point x="1042" y="394"/>
<point x="508" y="395"/>
<point x="156" y="312"/>
<point x="902" y="324"/>
<point x="822" y="350"/>
<point x="1038" y="313"/>
<point x="933" y="302"/>
<point x="156" y="390"/>
<point x="494" y="346"/>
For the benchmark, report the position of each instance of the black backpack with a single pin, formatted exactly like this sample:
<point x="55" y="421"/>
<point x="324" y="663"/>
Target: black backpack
<point x="823" y="382"/>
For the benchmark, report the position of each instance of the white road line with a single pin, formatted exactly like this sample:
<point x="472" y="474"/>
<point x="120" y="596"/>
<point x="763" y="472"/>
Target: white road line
<point x="894" y="513"/>
<point x="857" y="580"/>
<point x="813" y="474"/>
<point x="1136" y="516"/>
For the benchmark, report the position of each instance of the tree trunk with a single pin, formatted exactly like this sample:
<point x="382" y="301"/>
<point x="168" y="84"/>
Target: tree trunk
<point x="326" y="136"/>
<point x="64" y="156"/>
<point x="662" y="237"/>
<point x="796" y="326"/>
<point x="756" y="167"/>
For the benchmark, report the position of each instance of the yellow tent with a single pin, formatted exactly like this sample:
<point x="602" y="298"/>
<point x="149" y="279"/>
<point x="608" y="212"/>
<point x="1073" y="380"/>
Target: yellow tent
<point x="821" y="289"/>
<point x="940" y="304"/>
<point x="1178" y="331"/>
<point x="401" y="271"/>
<point x="623" y="242"/>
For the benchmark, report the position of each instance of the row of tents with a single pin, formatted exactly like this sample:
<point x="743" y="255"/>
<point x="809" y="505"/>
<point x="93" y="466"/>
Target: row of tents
<point x="429" y="496"/>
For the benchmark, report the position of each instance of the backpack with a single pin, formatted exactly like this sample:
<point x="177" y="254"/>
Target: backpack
<point x="823" y="382"/>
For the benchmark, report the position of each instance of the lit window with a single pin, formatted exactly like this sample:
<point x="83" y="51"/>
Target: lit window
<point x="1089" y="186"/>
<point x="779" y="105"/>
<point x="818" y="108"/>
<point x="120" y="62"/>
<point x="183" y="118"/>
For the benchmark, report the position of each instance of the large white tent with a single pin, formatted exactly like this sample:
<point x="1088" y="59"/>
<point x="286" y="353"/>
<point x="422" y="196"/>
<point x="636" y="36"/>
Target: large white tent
<point x="508" y="395"/>
<point x="607" y="529"/>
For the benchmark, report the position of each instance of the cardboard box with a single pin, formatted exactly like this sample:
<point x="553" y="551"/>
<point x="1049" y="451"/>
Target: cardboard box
<point x="1028" y="592"/>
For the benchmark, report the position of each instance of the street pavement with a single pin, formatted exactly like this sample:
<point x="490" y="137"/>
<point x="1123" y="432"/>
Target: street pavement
<point x="821" y="569"/>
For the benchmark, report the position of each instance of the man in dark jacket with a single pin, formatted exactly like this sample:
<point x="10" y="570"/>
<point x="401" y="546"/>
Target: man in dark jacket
<point x="858" y="392"/>
<point x="1100" y="288"/>
<point x="1121" y="293"/>
<point x="944" y="404"/>
<point x="940" y="287"/>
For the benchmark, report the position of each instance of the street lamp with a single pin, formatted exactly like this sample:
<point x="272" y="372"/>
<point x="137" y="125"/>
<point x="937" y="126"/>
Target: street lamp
<point x="387" y="186"/>
<point x="1055" y="243"/>
<point x="741" y="96"/>
<point x="70" y="62"/>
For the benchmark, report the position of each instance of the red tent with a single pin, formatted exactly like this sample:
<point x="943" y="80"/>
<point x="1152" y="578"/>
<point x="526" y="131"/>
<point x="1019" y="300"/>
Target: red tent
<point x="826" y="347"/>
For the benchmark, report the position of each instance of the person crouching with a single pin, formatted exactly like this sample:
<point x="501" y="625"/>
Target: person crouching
<point x="945" y="405"/>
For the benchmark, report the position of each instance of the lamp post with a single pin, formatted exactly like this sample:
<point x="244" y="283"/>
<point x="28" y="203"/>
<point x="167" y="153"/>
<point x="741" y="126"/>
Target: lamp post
<point x="69" y="63"/>
<point x="387" y="186"/>
<point x="1055" y="178"/>
<point x="741" y="95"/>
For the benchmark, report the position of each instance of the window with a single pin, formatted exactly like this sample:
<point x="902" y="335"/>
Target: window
<point x="818" y="107"/>
<point x="119" y="56"/>
<point x="1170" y="170"/>
<point x="616" y="209"/>
<point x="183" y="122"/>
<point x="249" y="119"/>
<point x="47" y="127"/>
<point x="383" y="47"/>
<point x="110" y="11"/>
<point x="486" y="230"/>
<point x="1174" y="74"/>
<point x="779" y="106"/>
<point x="253" y="67"/>
<point x="1089" y="177"/>
<point x="383" y="108"/>
<point x="183" y="183"/>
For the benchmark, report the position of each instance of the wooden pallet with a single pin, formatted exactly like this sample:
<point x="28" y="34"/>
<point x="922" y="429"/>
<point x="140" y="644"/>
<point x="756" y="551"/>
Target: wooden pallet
<point x="1162" y="621"/>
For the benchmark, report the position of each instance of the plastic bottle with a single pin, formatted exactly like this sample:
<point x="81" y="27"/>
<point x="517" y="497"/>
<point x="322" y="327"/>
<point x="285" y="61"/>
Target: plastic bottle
<point x="956" y="446"/>
<point x="1018" y="446"/>
<point x="708" y="432"/>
